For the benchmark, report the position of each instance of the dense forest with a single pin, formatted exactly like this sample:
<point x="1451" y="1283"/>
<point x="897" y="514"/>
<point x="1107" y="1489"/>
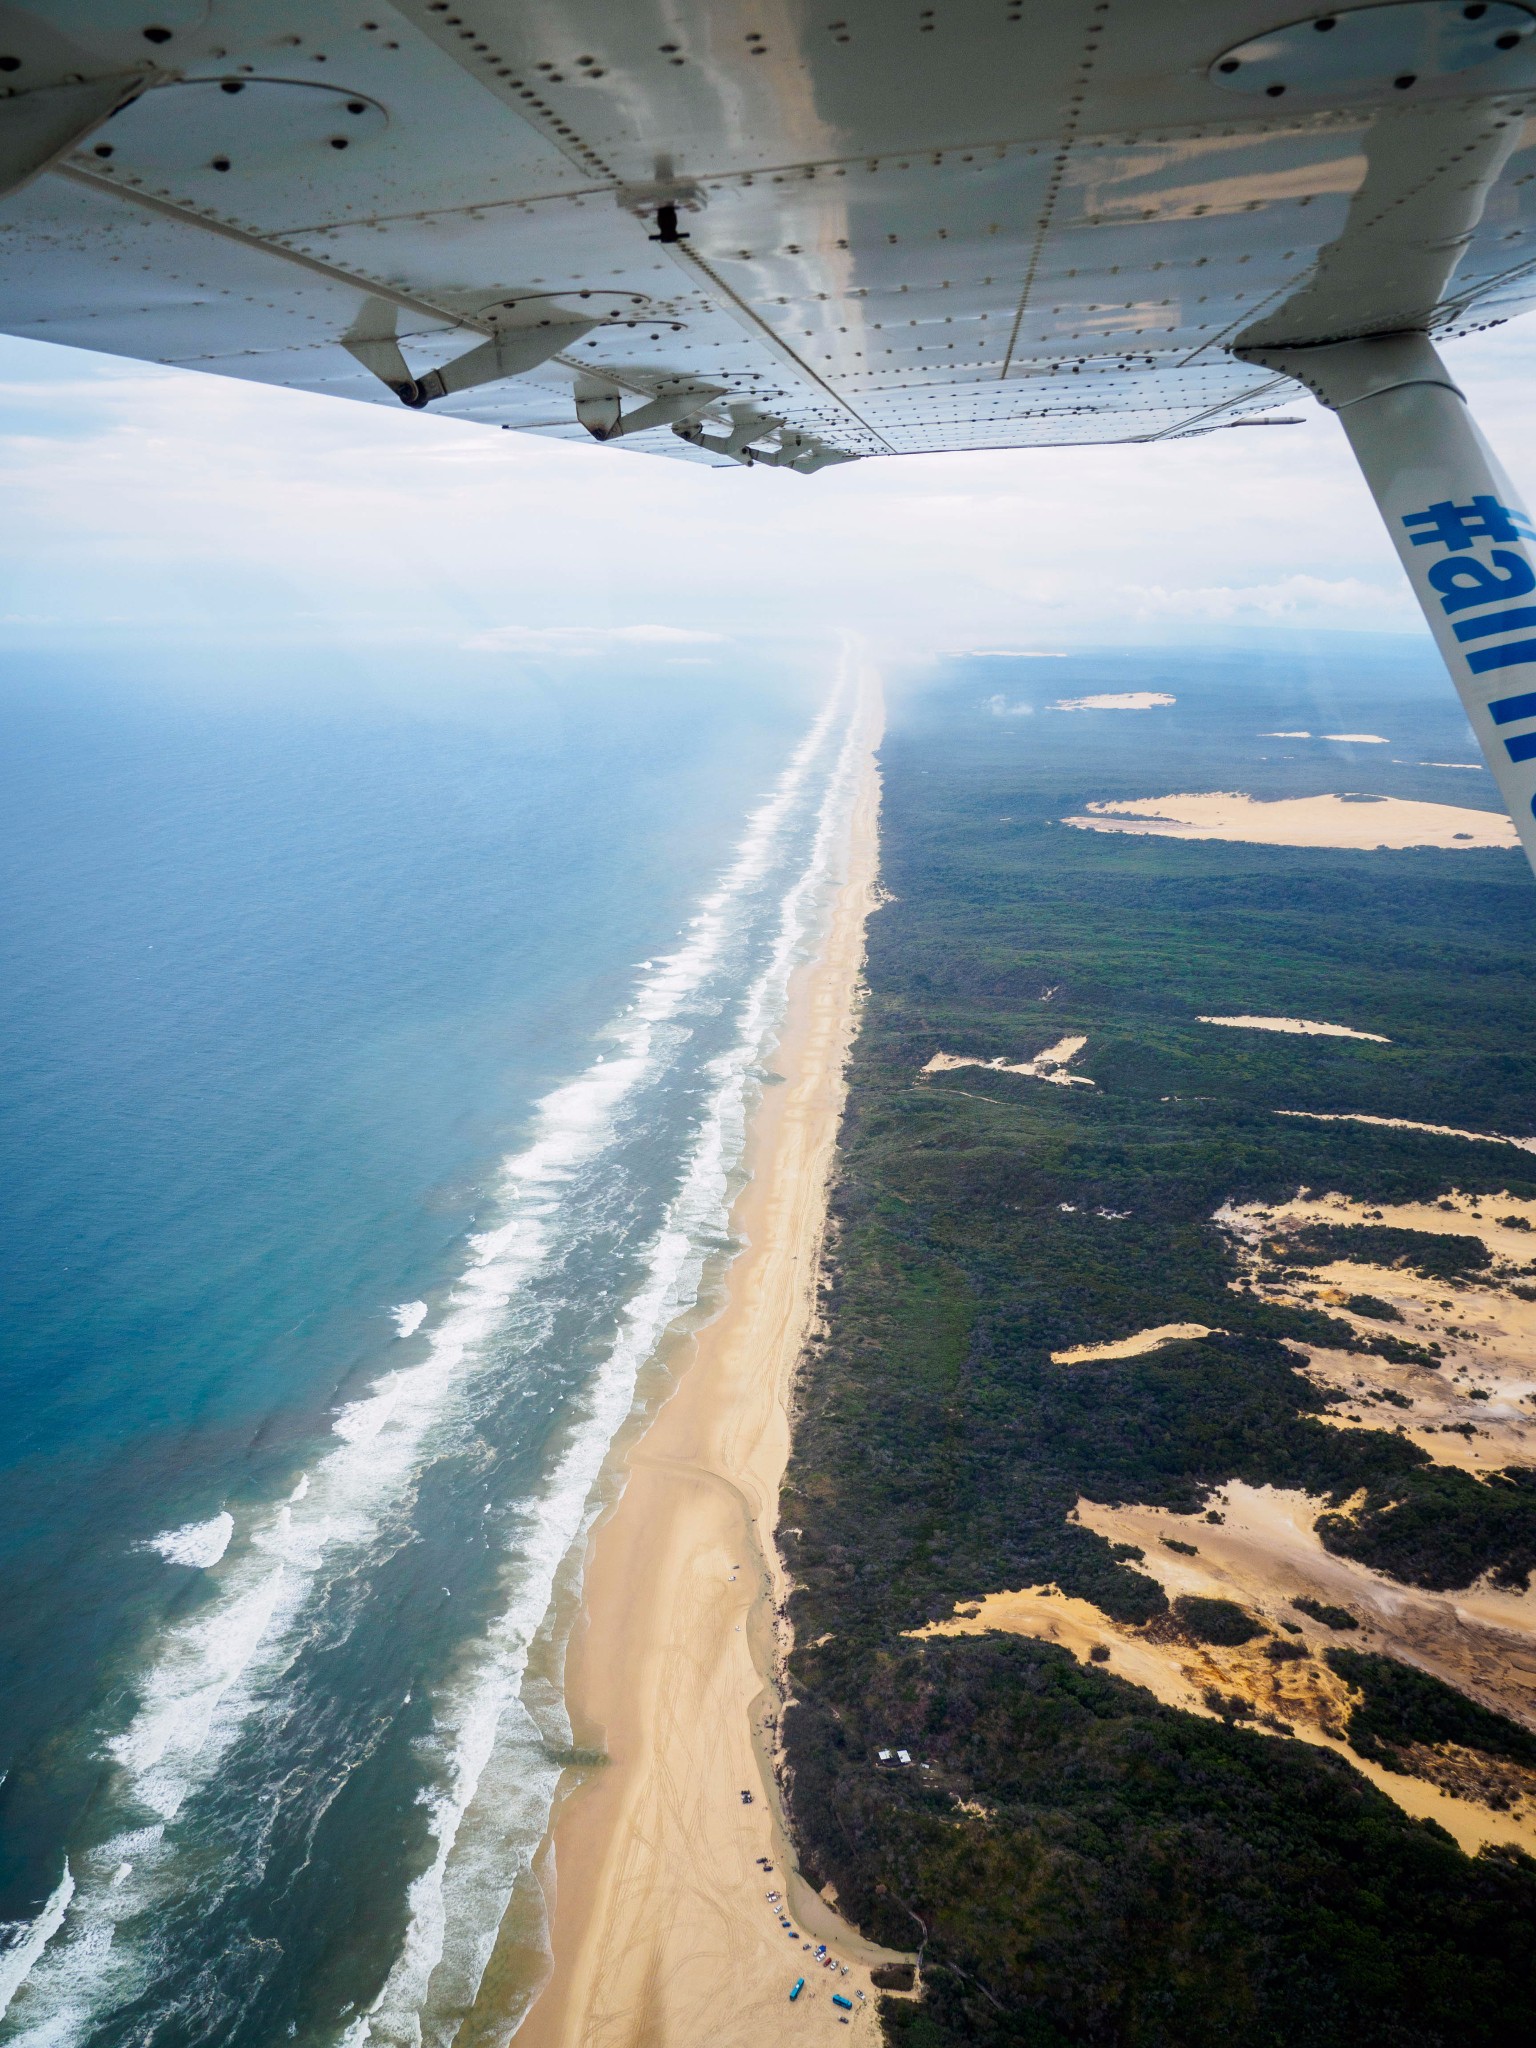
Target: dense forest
<point x="1075" y="1862"/>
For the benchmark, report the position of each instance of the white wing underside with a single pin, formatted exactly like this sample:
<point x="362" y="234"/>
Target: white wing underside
<point x="981" y="224"/>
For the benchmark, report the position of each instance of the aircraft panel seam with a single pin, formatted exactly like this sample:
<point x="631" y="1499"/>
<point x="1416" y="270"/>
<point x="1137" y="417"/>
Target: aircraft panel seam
<point x="1071" y="123"/>
<point x="408" y="302"/>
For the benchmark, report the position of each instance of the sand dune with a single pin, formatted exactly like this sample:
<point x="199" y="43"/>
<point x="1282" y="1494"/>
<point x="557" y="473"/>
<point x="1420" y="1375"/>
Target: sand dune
<point x="1134" y="1346"/>
<point x="1121" y="700"/>
<point x="1264" y="1554"/>
<point x="1302" y="1026"/>
<point x="1476" y="1408"/>
<point x="1050" y="1065"/>
<point x="1403" y="1123"/>
<point x="1471" y="1403"/>
<point x="1318" y="821"/>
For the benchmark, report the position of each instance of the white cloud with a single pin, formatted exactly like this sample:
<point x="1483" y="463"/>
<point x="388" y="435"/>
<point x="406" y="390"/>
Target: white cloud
<point x="584" y="640"/>
<point x="1342" y="600"/>
<point x="198" y="508"/>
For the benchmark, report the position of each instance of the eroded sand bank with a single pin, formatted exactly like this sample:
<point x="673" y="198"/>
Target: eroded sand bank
<point x="662" y="1930"/>
<point x="1362" y="822"/>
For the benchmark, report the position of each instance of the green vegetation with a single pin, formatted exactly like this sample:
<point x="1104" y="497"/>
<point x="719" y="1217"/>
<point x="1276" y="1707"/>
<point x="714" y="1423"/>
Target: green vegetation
<point x="1402" y="1705"/>
<point x="1216" y="1621"/>
<point x="1330" y="1617"/>
<point x="1372" y="1305"/>
<point x="1437" y="1255"/>
<point x="1121" y="1873"/>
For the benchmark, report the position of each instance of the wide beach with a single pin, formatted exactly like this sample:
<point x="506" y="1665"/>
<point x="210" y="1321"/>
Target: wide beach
<point x="662" y="1929"/>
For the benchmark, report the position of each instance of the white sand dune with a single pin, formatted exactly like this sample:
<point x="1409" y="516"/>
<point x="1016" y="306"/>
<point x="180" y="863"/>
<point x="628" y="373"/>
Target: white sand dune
<point x="1302" y="1027"/>
<point x="1357" y="739"/>
<point x="1319" y="821"/>
<point x="1122" y="700"/>
<point x="1049" y="1065"/>
<point x="1134" y="1346"/>
<point x="1403" y="1123"/>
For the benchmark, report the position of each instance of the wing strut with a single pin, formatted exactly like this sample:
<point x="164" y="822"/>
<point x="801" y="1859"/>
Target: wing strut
<point x="1466" y="540"/>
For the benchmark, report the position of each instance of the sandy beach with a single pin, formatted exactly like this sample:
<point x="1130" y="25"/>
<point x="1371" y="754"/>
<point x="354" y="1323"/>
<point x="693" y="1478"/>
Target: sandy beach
<point x="663" y="1932"/>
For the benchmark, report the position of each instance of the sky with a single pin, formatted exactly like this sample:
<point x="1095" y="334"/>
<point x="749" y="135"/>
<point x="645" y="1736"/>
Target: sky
<point x="147" y="509"/>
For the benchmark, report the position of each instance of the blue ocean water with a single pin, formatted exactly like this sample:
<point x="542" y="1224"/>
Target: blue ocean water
<point x="374" y="1059"/>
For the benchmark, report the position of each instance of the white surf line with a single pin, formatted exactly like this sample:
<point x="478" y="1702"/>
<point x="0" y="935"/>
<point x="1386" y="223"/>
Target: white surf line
<point x="208" y="1676"/>
<point x="458" y="1903"/>
<point x="1301" y="1026"/>
<point x="17" y="1959"/>
<point x="1403" y="1123"/>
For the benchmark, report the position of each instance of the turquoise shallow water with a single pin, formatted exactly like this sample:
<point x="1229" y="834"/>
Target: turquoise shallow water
<point x="372" y="1059"/>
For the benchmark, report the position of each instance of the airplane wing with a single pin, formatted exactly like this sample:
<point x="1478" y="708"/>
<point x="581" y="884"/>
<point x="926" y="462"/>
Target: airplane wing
<point x="793" y="233"/>
<point x="762" y="230"/>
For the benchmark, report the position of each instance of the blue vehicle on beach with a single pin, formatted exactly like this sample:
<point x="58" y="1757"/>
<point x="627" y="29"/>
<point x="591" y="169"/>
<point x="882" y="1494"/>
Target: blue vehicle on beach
<point x="799" y="1987"/>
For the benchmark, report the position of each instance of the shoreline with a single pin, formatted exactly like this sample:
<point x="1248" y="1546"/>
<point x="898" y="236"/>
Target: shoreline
<point x="660" y="1928"/>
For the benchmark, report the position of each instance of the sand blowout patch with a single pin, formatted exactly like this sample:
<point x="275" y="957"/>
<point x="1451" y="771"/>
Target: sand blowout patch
<point x="1263" y="1554"/>
<point x="1050" y="1065"/>
<point x="1471" y="1400"/>
<point x="1359" y="739"/>
<point x="1303" y="1026"/>
<point x="1361" y="823"/>
<point x="1134" y="1346"/>
<point x="1122" y="700"/>
<point x="1403" y="1123"/>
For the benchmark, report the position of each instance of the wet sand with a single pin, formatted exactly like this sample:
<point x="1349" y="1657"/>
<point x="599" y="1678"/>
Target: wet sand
<point x="662" y="1931"/>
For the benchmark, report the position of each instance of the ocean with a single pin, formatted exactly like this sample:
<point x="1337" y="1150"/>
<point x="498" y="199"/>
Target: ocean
<point x="376" y="1052"/>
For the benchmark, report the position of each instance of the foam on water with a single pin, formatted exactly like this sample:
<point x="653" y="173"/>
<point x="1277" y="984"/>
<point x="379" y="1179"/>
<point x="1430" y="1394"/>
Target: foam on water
<point x="27" y="1941"/>
<point x="195" y="1543"/>
<point x="212" y="1674"/>
<point x="409" y="1317"/>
